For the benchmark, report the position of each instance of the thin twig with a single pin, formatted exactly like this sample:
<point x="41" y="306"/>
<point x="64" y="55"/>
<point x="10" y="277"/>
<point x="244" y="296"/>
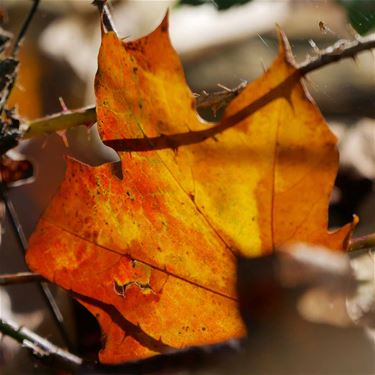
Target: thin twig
<point x="44" y="288"/>
<point x="24" y="28"/>
<point x="364" y="242"/>
<point x="20" y="278"/>
<point x="107" y="19"/>
<point x="106" y="14"/>
<point x="40" y="347"/>
<point x="340" y="50"/>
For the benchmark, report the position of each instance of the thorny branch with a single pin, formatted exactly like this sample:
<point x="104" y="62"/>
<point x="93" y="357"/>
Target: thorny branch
<point x="60" y="121"/>
<point x="340" y="50"/>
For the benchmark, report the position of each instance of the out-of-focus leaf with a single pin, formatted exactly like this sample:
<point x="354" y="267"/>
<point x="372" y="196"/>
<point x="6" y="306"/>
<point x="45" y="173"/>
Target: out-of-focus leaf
<point x="220" y="4"/>
<point x="361" y="14"/>
<point x="15" y="171"/>
<point x="361" y="306"/>
<point x="26" y="93"/>
<point x="294" y="304"/>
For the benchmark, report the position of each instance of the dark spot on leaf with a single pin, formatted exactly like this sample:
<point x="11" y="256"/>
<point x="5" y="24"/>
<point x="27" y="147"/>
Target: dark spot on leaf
<point x="119" y="289"/>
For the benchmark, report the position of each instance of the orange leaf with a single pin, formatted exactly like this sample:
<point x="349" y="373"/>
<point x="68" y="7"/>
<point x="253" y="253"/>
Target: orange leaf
<point x="148" y="245"/>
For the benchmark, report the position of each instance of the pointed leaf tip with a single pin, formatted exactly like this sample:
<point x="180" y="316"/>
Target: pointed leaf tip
<point x="285" y="49"/>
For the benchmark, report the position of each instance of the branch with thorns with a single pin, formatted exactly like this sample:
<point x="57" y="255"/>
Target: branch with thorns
<point x="342" y="49"/>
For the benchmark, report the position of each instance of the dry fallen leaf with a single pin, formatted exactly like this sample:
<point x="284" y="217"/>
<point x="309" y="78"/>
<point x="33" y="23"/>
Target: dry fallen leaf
<point x="148" y="245"/>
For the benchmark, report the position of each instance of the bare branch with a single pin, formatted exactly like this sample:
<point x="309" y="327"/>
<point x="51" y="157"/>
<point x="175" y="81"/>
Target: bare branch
<point x="40" y="347"/>
<point x="20" y="278"/>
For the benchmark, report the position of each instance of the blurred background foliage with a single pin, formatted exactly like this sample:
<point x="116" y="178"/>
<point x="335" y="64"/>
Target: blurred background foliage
<point x="360" y="13"/>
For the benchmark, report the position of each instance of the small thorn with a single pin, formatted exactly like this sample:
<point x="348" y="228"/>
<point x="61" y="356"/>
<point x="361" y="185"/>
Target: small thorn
<point x="314" y="47"/>
<point x="353" y="33"/>
<point x="263" y="65"/>
<point x="355" y="59"/>
<point x="224" y="87"/>
<point x="63" y="105"/>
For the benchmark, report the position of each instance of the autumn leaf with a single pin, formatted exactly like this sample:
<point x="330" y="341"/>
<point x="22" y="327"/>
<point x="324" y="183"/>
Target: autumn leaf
<point x="149" y="244"/>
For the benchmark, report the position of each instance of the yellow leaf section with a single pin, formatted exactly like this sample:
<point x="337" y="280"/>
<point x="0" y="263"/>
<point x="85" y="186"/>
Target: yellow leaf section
<point x="259" y="184"/>
<point x="146" y="94"/>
